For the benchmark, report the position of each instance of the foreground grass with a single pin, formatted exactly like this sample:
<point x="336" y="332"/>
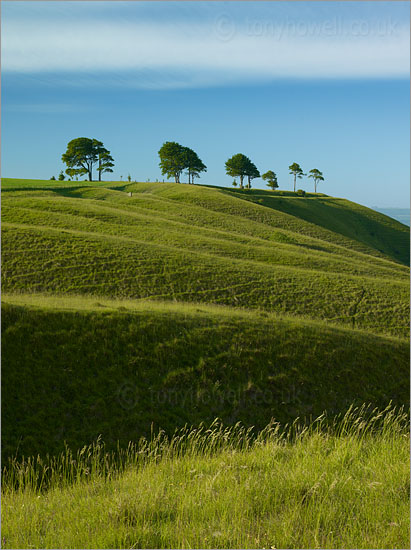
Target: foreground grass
<point x="331" y="485"/>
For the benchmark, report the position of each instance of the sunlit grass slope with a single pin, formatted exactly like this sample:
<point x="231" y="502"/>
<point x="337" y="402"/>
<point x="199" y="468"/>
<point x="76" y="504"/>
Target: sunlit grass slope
<point x="76" y="367"/>
<point x="344" y="217"/>
<point x="336" y="220"/>
<point x="198" y="244"/>
<point x="344" y="486"/>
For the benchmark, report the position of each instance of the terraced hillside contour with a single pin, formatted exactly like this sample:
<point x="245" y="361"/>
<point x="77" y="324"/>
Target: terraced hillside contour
<point x="107" y="297"/>
<point x="195" y="244"/>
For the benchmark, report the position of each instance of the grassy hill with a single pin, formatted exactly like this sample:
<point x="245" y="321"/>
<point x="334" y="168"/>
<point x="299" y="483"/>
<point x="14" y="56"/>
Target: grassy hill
<point x="196" y="244"/>
<point x="343" y="217"/>
<point x="181" y="304"/>
<point x="294" y="304"/>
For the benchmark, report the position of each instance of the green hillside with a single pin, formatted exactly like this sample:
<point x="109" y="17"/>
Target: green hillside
<point x="344" y="217"/>
<point x="183" y="303"/>
<point x="196" y="244"/>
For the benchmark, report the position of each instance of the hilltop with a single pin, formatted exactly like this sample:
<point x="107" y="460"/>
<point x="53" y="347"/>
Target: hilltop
<point x="256" y="304"/>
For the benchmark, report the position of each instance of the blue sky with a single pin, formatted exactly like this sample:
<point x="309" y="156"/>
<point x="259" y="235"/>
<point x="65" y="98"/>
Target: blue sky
<point x="324" y="84"/>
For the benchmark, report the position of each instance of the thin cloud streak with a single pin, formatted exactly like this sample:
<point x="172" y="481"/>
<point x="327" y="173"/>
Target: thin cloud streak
<point x="160" y="55"/>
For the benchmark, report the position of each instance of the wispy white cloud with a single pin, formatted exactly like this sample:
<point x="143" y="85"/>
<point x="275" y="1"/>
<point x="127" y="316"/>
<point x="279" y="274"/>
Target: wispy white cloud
<point x="186" y="54"/>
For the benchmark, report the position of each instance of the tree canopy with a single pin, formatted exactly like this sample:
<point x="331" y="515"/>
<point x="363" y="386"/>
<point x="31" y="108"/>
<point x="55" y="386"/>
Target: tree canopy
<point x="240" y="166"/>
<point x="252" y="172"/>
<point x="174" y="159"/>
<point x="82" y="153"/>
<point x="271" y="178"/>
<point x="317" y="176"/>
<point x="105" y="162"/>
<point x="194" y="165"/>
<point x="297" y="172"/>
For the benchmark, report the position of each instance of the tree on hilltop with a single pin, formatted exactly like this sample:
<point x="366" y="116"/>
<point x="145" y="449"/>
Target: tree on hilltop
<point x="236" y="167"/>
<point x="252" y="172"/>
<point x="194" y="165"/>
<point x="297" y="172"/>
<point x="81" y="155"/>
<point x="271" y="178"/>
<point x="317" y="176"/>
<point x="105" y="161"/>
<point x="240" y="166"/>
<point x="172" y="160"/>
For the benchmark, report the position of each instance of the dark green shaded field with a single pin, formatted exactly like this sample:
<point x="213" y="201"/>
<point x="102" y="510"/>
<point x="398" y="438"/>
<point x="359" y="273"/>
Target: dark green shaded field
<point x="77" y="368"/>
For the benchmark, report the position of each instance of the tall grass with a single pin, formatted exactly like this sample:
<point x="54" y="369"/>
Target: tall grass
<point x="339" y="482"/>
<point x="94" y="461"/>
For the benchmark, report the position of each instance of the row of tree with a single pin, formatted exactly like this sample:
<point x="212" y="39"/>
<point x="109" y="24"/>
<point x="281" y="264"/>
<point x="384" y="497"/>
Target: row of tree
<point x="174" y="159"/>
<point x="240" y="166"/>
<point x="297" y="172"/>
<point x="83" y="153"/>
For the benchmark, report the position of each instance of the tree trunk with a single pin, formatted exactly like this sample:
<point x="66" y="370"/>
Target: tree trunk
<point x="241" y="182"/>
<point x="295" y="177"/>
<point x="315" y="186"/>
